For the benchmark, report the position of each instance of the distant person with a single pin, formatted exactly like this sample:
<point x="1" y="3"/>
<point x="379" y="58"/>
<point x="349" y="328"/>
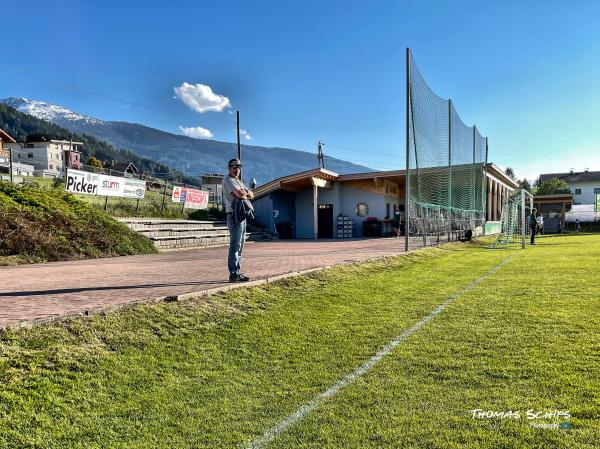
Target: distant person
<point x="532" y="221"/>
<point x="396" y="221"/>
<point x="577" y="225"/>
<point x="234" y="188"/>
<point x="540" y="224"/>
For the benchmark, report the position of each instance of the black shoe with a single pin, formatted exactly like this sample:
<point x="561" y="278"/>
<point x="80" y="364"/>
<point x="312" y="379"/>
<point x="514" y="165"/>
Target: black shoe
<point x="238" y="278"/>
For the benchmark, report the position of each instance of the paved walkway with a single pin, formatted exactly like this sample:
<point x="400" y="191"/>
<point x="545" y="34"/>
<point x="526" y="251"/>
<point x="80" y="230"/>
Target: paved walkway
<point x="42" y="291"/>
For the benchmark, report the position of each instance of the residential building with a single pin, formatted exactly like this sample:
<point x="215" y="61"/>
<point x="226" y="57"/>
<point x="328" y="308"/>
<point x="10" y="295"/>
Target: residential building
<point x="49" y="156"/>
<point x="213" y="182"/>
<point x="584" y="185"/>
<point x="5" y="139"/>
<point x="18" y="169"/>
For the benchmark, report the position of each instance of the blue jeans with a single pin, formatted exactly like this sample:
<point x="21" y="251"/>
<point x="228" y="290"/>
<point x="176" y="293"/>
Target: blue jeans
<point x="237" y="233"/>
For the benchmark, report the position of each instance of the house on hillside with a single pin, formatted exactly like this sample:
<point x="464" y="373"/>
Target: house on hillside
<point x="125" y="168"/>
<point x="310" y="204"/>
<point x="5" y="138"/>
<point x="18" y="168"/>
<point x="48" y="154"/>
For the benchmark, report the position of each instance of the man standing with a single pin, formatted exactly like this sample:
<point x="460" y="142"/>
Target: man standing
<point x="540" y="223"/>
<point x="234" y="187"/>
<point x="532" y="221"/>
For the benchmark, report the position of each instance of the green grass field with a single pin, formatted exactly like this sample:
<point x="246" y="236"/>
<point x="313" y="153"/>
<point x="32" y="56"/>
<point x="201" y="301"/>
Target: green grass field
<point x="220" y="372"/>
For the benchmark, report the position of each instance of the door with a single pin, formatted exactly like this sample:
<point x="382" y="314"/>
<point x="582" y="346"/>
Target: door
<point x="325" y="221"/>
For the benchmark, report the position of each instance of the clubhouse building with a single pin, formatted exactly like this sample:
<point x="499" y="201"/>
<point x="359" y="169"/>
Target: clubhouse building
<point x="320" y="203"/>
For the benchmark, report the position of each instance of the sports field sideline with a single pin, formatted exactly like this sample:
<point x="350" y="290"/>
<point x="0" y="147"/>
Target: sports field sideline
<point x="450" y="347"/>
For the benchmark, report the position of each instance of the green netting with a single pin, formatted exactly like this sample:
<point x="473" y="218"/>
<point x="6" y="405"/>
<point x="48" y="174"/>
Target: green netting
<point x="446" y="166"/>
<point x="513" y="218"/>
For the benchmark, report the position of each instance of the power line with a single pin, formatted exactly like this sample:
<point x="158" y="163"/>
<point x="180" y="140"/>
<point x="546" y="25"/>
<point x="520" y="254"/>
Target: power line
<point x="399" y="154"/>
<point x="144" y="106"/>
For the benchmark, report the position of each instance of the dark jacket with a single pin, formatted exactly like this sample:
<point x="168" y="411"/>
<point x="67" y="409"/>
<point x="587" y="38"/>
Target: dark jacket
<point x="242" y="209"/>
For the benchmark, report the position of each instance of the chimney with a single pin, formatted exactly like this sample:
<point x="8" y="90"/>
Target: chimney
<point x="571" y="171"/>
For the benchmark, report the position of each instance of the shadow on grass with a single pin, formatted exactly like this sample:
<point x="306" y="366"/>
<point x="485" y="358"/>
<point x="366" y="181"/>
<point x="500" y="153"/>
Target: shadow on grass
<point x="116" y="287"/>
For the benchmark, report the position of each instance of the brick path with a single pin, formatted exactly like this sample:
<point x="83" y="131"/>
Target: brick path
<point x="43" y="291"/>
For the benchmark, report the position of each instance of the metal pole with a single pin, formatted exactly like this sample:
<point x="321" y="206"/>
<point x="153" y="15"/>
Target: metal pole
<point x="450" y="166"/>
<point x="10" y="165"/>
<point x="162" y="206"/>
<point x="523" y="219"/>
<point x="239" y="146"/>
<point x="474" y="180"/>
<point x="183" y="202"/>
<point x="407" y="186"/>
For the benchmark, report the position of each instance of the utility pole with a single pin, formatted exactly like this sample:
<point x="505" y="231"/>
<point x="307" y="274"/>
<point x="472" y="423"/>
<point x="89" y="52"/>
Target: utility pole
<point x="239" y="146"/>
<point x="10" y="166"/>
<point x="320" y="154"/>
<point x="162" y="205"/>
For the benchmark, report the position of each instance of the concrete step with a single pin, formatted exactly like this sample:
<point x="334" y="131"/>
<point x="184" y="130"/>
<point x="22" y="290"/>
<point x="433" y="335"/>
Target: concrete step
<point x="168" y="232"/>
<point x="148" y="225"/>
<point x="199" y="241"/>
<point x="186" y="234"/>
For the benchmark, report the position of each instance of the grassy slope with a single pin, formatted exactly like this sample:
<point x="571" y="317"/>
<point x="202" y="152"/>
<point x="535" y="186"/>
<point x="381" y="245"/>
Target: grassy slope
<point x="218" y="372"/>
<point x="44" y="224"/>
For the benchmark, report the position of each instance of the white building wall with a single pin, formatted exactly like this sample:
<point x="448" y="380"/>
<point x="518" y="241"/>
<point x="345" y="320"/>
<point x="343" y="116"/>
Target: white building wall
<point x="587" y="195"/>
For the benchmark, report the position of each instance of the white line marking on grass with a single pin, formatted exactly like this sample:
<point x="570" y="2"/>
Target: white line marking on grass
<point x="299" y="414"/>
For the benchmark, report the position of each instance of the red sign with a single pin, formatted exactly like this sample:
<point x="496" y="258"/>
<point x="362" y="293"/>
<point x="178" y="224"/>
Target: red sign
<point x="191" y="198"/>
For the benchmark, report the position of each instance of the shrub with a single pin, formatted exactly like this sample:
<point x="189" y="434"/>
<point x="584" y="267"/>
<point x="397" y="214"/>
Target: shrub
<point x="47" y="224"/>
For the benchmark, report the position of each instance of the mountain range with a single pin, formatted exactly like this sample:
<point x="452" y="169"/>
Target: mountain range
<point x="189" y="155"/>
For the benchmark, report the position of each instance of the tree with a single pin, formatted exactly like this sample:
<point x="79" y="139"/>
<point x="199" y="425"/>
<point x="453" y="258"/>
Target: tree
<point x="94" y="162"/>
<point x="552" y="186"/>
<point x="525" y="184"/>
<point x="510" y="173"/>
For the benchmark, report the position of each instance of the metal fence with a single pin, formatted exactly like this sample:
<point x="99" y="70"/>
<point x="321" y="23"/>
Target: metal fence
<point x="445" y="166"/>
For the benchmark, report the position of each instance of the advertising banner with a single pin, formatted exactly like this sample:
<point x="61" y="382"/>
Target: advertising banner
<point x="191" y="198"/>
<point x="134" y="188"/>
<point x="176" y="196"/>
<point x="104" y="185"/>
<point x="111" y="185"/>
<point x="82" y="182"/>
<point x="194" y="199"/>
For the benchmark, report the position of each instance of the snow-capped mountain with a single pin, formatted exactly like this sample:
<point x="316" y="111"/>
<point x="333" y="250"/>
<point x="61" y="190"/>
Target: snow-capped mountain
<point x="192" y="156"/>
<point x="49" y="112"/>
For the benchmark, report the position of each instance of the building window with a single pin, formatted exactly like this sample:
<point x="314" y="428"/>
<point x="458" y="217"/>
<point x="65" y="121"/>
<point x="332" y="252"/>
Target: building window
<point x="30" y="155"/>
<point x="577" y="191"/>
<point x="29" y="145"/>
<point x="387" y="210"/>
<point x="596" y="190"/>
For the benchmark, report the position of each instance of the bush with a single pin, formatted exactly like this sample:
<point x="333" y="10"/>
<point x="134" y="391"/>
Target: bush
<point x="47" y="224"/>
<point x="207" y="214"/>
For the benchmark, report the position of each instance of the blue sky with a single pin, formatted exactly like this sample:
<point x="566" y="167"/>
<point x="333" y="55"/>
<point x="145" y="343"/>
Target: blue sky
<point x="527" y="73"/>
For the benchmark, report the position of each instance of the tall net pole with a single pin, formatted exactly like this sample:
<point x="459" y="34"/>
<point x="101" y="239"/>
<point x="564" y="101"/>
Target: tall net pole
<point x="407" y="183"/>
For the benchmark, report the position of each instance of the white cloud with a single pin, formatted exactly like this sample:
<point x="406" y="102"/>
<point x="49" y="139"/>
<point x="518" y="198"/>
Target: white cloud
<point x="197" y="132"/>
<point x="245" y="133"/>
<point x="200" y="98"/>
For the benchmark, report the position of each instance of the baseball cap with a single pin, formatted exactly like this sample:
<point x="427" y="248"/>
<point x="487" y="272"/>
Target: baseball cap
<point x="234" y="163"/>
